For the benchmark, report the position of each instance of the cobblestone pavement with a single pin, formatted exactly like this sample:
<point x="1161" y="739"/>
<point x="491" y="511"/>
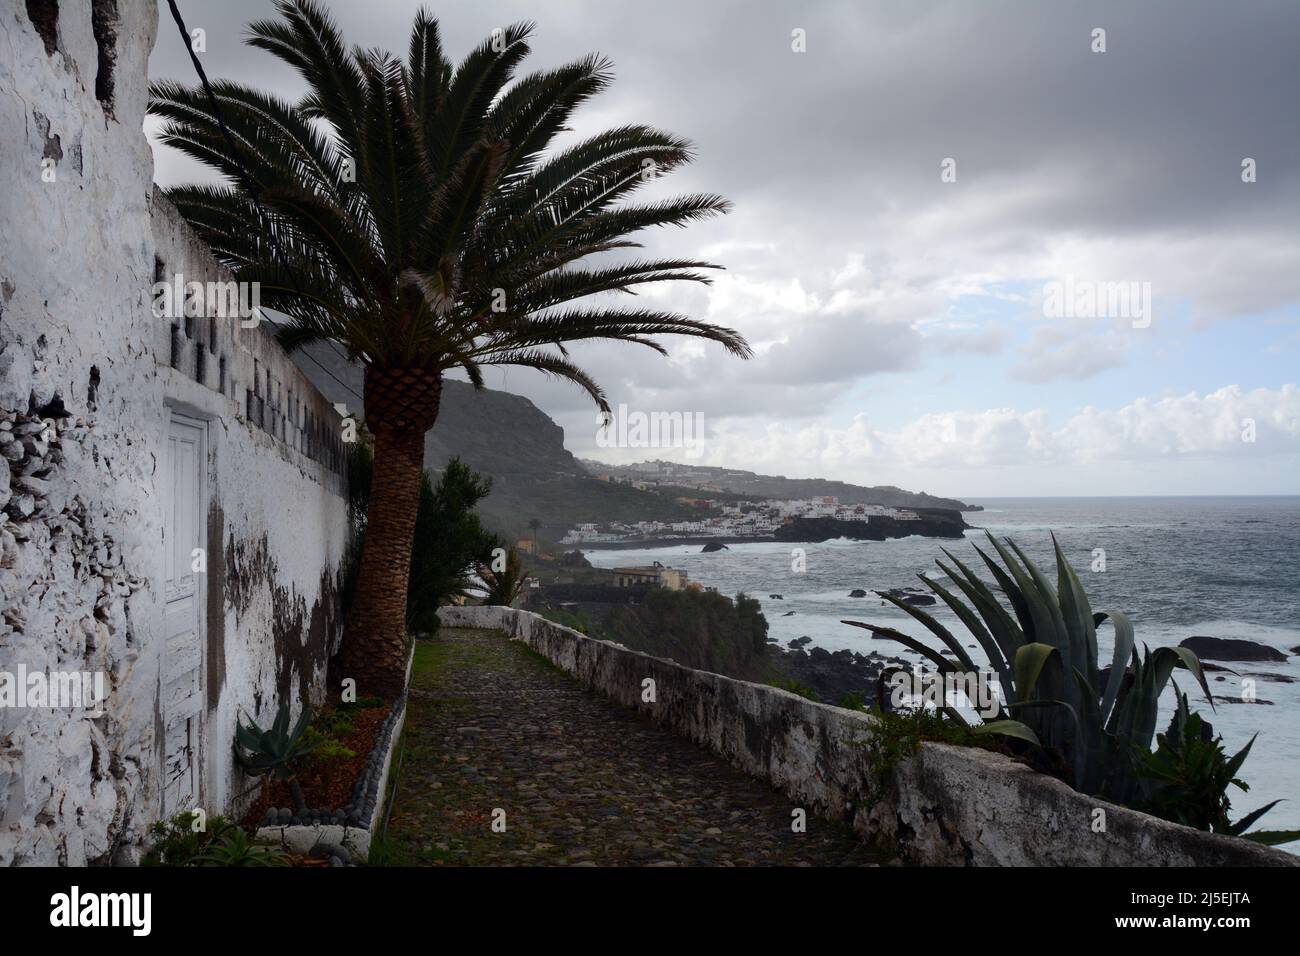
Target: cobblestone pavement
<point x="493" y="727"/>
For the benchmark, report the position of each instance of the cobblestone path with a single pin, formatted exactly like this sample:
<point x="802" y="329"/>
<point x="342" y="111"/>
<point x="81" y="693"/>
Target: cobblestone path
<point x="582" y="781"/>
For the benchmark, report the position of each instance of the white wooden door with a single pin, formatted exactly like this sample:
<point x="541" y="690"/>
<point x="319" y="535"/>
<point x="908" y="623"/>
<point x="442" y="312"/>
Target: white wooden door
<point x="182" y="664"/>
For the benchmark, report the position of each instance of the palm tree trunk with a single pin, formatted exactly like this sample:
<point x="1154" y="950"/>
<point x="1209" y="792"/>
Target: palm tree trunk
<point x="401" y="404"/>
<point x="374" y="645"/>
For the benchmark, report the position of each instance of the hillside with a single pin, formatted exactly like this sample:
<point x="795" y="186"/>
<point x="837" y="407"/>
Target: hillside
<point x="750" y="485"/>
<point x="510" y="439"/>
<point x="514" y="442"/>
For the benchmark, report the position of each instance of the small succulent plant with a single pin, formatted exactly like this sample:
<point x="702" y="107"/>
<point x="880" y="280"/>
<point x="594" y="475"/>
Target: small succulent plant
<point x="273" y="752"/>
<point x="233" y="848"/>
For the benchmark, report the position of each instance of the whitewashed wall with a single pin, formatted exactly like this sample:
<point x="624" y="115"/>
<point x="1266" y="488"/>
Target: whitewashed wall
<point x="81" y="561"/>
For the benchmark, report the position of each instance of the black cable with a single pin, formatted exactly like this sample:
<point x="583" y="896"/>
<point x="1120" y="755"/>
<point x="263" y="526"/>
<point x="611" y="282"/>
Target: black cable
<point x="251" y="188"/>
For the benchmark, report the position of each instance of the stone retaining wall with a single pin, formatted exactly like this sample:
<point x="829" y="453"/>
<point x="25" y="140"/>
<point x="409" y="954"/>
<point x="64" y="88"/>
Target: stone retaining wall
<point x="946" y="806"/>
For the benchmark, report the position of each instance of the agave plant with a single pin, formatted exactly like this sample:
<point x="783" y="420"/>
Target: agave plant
<point x="1188" y="777"/>
<point x="233" y="848"/>
<point x="1044" y="653"/>
<point x="274" y="751"/>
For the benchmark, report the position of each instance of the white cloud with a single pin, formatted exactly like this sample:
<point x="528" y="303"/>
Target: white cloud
<point x="1190" y="426"/>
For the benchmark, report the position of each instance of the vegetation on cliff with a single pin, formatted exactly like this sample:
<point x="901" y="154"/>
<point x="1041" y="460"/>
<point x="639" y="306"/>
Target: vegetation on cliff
<point x="700" y="629"/>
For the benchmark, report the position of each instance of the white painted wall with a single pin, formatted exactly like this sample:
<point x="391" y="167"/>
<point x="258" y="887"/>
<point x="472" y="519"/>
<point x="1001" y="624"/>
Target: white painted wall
<point x="81" y="572"/>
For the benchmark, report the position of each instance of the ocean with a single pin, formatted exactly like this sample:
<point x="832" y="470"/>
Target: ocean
<point x="1217" y="566"/>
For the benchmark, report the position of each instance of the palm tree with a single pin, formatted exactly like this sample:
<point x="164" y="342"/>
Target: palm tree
<point x="422" y="221"/>
<point x="503" y="587"/>
<point x="534" y="525"/>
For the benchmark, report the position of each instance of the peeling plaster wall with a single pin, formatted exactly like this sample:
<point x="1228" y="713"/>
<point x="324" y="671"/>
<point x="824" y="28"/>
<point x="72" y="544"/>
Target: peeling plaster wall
<point x="945" y="806"/>
<point x="88" y="381"/>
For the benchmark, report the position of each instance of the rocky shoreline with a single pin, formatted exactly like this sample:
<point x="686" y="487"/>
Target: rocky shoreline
<point x="928" y="523"/>
<point x="834" y="676"/>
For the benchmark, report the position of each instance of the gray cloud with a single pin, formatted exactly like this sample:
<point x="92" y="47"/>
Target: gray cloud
<point x="1125" y="165"/>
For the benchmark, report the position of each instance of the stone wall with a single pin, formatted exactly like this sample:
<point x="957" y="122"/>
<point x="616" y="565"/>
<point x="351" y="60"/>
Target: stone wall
<point x="945" y="806"/>
<point x="89" y="381"/>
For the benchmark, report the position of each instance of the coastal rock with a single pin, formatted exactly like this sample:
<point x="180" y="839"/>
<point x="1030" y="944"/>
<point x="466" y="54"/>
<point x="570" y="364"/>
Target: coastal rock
<point x="800" y="641"/>
<point x="1275" y="678"/>
<point x="912" y="596"/>
<point x="1243" y="700"/>
<point x="1231" y="649"/>
<point x="928" y="522"/>
<point x="857" y="593"/>
<point x="788" y="614"/>
<point x="776" y="597"/>
<point x="711" y="546"/>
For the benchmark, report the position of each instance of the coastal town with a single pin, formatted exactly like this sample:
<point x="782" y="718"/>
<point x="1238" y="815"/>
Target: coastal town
<point x="743" y="519"/>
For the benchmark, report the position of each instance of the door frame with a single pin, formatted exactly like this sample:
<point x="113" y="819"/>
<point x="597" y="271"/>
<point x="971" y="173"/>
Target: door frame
<point x="183" y="416"/>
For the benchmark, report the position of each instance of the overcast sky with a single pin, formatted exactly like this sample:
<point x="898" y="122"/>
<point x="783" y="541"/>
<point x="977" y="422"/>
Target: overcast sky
<point x="899" y="320"/>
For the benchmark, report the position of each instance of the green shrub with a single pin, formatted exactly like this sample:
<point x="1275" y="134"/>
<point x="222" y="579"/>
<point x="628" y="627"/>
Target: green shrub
<point x="1188" y="777"/>
<point x="699" y="629"/>
<point x="178" y="842"/>
<point x="794" y="687"/>
<point x="232" y="847"/>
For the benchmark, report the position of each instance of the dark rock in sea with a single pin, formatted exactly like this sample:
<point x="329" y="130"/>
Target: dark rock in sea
<point x="1275" y="678"/>
<point x="929" y="522"/>
<point x="912" y="596"/>
<point x="1242" y="700"/>
<point x="800" y="641"/>
<point x="1296" y="649"/>
<point x="776" y="597"/>
<point x="1230" y="649"/>
<point x="1220" y="678"/>
<point x="711" y="546"/>
<point x="857" y="593"/>
<point x="788" y="614"/>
